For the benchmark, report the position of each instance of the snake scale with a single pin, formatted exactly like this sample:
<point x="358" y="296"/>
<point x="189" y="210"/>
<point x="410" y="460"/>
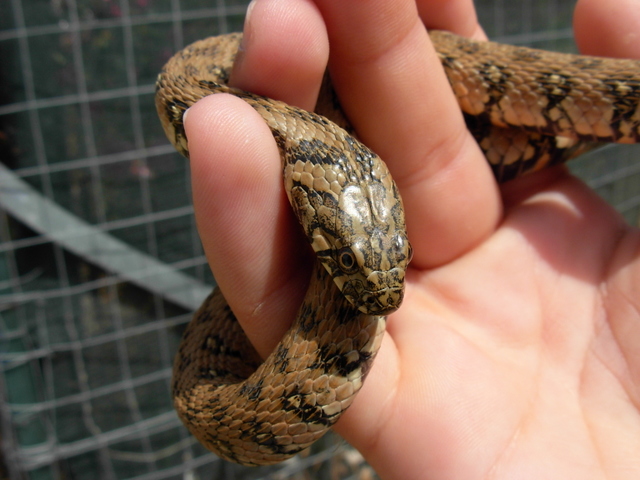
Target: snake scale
<point x="527" y="109"/>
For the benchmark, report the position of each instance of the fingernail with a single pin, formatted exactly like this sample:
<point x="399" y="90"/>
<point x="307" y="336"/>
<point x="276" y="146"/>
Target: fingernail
<point x="246" y="34"/>
<point x="247" y="23"/>
<point x="250" y="7"/>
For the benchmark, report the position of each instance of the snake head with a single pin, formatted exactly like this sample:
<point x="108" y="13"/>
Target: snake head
<point x="350" y="209"/>
<point x="370" y="271"/>
<point x="358" y="233"/>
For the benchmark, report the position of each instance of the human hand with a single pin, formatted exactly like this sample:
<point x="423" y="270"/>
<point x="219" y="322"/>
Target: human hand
<point x="516" y="351"/>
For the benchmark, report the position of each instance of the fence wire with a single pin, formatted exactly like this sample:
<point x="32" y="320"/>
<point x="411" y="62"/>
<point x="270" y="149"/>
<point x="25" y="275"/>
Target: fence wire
<point x="100" y="261"/>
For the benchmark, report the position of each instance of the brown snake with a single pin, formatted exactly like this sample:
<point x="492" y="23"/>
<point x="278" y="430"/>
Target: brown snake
<point x="528" y="109"/>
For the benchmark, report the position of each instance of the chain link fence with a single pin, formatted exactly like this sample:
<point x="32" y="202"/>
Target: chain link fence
<point x="100" y="261"/>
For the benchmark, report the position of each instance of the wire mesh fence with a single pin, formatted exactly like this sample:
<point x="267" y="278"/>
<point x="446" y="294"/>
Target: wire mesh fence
<point x="100" y="261"/>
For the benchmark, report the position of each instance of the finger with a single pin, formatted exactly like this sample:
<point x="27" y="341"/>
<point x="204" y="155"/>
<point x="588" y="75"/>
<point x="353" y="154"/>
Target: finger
<point x="617" y="24"/>
<point x="250" y="237"/>
<point x="243" y="217"/>
<point x="284" y="52"/>
<point x="394" y="91"/>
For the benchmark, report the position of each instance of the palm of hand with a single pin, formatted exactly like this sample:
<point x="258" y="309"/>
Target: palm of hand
<point x="516" y="359"/>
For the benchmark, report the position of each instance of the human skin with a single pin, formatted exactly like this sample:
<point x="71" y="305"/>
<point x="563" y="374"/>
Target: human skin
<point x="516" y="352"/>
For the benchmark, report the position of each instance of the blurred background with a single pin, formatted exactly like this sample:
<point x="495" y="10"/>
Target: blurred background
<point x="100" y="261"/>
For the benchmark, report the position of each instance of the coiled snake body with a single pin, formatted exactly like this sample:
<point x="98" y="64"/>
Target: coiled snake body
<point x="527" y="109"/>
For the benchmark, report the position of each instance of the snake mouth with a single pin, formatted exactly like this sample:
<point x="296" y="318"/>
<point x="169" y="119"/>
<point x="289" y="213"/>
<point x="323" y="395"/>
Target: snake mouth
<point x="380" y="293"/>
<point x="381" y="302"/>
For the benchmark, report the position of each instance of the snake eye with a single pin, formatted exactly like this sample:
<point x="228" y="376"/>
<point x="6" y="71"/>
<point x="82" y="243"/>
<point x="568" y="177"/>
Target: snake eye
<point x="347" y="260"/>
<point x="400" y="249"/>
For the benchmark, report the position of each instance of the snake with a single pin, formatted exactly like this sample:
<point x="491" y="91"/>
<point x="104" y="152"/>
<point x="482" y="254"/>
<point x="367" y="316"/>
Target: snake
<point x="527" y="109"/>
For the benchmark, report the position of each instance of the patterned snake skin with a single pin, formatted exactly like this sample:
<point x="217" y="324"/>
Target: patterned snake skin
<point x="527" y="109"/>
